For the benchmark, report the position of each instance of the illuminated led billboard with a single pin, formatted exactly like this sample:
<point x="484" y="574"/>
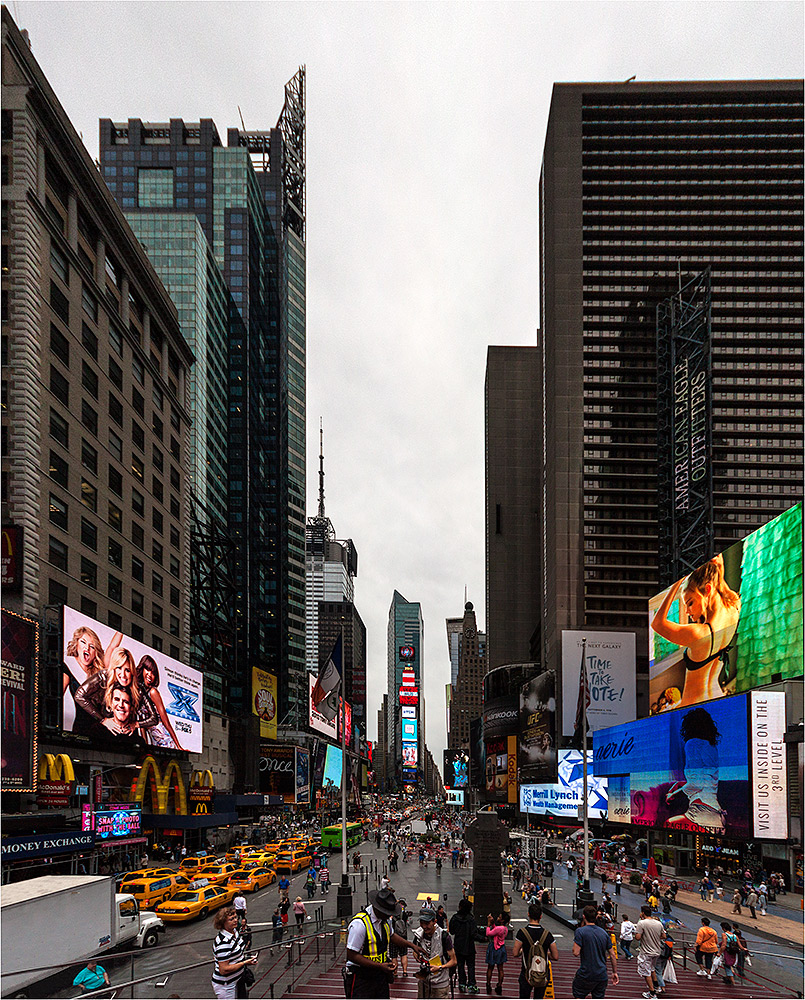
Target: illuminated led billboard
<point x="734" y="624"/>
<point x="565" y="797"/>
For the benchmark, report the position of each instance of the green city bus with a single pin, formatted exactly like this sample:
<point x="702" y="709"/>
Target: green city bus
<point x="331" y="836"/>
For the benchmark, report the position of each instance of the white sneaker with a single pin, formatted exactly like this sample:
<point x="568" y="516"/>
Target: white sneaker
<point x="701" y="972"/>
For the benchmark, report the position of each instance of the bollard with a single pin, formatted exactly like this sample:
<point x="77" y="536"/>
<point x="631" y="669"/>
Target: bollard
<point x="317" y="948"/>
<point x="271" y="989"/>
<point x="684" y="955"/>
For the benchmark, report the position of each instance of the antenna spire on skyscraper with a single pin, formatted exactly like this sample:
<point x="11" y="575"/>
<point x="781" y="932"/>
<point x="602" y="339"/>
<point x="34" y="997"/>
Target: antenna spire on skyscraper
<point x="321" y="469"/>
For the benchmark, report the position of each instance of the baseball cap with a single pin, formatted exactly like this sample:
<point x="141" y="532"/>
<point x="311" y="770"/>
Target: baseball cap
<point x="427" y="913"/>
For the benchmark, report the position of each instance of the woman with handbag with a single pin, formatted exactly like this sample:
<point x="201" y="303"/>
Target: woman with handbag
<point x="229" y="955"/>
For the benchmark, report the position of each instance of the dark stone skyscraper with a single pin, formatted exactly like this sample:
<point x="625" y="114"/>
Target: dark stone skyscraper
<point x="642" y="187"/>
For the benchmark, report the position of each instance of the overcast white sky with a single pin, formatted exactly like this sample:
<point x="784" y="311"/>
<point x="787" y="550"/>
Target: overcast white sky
<point x="425" y="127"/>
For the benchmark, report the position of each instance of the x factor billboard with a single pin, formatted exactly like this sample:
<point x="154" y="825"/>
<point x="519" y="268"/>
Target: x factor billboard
<point x="734" y="624"/>
<point x="118" y="690"/>
<point x="699" y="769"/>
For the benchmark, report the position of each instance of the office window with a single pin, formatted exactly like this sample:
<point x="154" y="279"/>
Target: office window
<point x="89" y="379"/>
<point x="115" y="553"/>
<point x="156" y="520"/>
<point x="115" y="409"/>
<point x="174" y="566"/>
<point x="89" y="495"/>
<point x="58" y="512"/>
<point x="115" y="481"/>
<point x="158" y="459"/>
<point x="174" y="536"/>
<point x="155" y="187"/>
<point x="58" y="469"/>
<point x="137" y="602"/>
<point x="138" y="535"/>
<point x="156" y="615"/>
<point x="137" y="402"/>
<point x="115" y="517"/>
<point x="156" y="489"/>
<point x="137" y="569"/>
<point x="156" y="552"/>
<point x="116" y="339"/>
<point x="89" y="573"/>
<point x="175" y="449"/>
<point x="175" y="652"/>
<point x="175" y="481"/>
<point x="60" y="345"/>
<point x="174" y="596"/>
<point x="116" y="445"/>
<point x="138" y="468"/>
<point x="90" y="341"/>
<point x="57" y="553"/>
<point x="156" y="584"/>
<point x="59" y="303"/>
<point x="157" y="396"/>
<point x="115" y="373"/>
<point x="137" y="502"/>
<point x="89" y="417"/>
<point x="138" y="369"/>
<point x="57" y="593"/>
<point x="137" y="435"/>
<point x="89" y="607"/>
<point x="175" y="508"/>
<point x="137" y="632"/>
<point x="174" y="625"/>
<point x="115" y="588"/>
<point x="59" y="264"/>
<point x="59" y="386"/>
<point x="156" y="642"/>
<point x="89" y="456"/>
<point x="89" y="303"/>
<point x="156" y="425"/>
<point x="59" y="430"/>
<point x="89" y="534"/>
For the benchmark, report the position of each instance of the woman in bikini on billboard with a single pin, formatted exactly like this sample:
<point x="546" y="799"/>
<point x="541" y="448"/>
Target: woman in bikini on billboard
<point x="713" y="610"/>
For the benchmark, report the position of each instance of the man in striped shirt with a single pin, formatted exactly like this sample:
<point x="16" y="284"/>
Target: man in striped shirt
<point x="229" y="953"/>
<point x="324" y="878"/>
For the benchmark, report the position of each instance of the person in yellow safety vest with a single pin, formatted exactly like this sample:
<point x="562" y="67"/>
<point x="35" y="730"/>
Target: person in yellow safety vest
<point x="369" y="970"/>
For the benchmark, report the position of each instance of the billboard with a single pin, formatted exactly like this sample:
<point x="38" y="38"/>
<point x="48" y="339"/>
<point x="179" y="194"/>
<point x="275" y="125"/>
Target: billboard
<point x="610" y="676"/>
<point x="565" y="797"/>
<point x="410" y="729"/>
<point x="454" y="796"/>
<point x="537" y="751"/>
<point x="409" y="696"/>
<point x="277" y="768"/>
<point x="18" y="689"/>
<point x="685" y="770"/>
<point x="113" y="821"/>
<point x="768" y="762"/>
<point x="409" y="755"/>
<point x="408" y="712"/>
<point x="497" y="770"/>
<point x="332" y="767"/>
<point x="734" y="624"/>
<point x="315" y="719"/>
<point x="118" y="690"/>
<point x="11" y="550"/>
<point x="302" y="776"/>
<point x="264" y="702"/>
<point x="456" y="769"/>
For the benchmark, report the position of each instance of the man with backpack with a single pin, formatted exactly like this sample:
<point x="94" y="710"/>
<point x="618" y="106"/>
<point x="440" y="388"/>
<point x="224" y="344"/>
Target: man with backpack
<point x="465" y="933"/>
<point x="437" y="955"/>
<point x="537" y="946"/>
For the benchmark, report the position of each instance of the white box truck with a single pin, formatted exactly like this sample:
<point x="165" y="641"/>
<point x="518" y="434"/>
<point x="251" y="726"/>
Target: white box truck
<point x="60" y="919"/>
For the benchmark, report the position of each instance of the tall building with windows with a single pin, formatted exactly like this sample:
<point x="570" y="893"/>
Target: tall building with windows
<point x="235" y="214"/>
<point x="642" y="186"/>
<point x="513" y="459"/>
<point x="96" y="445"/>
<point x="467" y="693"/>
<point x="405" y="638"/>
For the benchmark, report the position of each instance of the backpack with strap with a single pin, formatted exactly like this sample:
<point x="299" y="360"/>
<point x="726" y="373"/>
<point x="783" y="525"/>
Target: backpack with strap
<point x="732" y="947"/>
<point x="536" y="968"/>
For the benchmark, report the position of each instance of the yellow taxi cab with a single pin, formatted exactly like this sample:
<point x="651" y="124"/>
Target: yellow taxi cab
<point x="291" y="861"/>
<point x="216" y="874"/>
<point x="261" y="857"/>
<point x="251" y="879"/>
<point x="196" y="901"/>
<point x="189" y="866"/>
<point x="234" y="854"/>
<point x="150" y="891"/>
<point x="141" y="873"/>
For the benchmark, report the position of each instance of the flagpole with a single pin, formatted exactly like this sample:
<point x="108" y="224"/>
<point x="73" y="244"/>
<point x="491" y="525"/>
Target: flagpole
<point x="584" y="813"/>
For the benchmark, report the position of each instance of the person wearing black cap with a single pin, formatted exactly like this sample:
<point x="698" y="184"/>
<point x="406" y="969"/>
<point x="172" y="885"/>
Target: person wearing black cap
<point x="370" y="969"/>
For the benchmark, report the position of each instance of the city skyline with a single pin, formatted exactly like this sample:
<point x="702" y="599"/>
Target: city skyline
<point x="430" y="276"/>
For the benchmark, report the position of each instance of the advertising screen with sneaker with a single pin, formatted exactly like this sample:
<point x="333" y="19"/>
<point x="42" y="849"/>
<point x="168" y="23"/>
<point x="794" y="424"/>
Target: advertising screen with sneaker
<point x="686" y="770"/>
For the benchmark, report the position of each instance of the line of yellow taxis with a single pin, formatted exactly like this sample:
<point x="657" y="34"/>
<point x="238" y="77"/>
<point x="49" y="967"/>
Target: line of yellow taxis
<point x="205" y="882"/>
